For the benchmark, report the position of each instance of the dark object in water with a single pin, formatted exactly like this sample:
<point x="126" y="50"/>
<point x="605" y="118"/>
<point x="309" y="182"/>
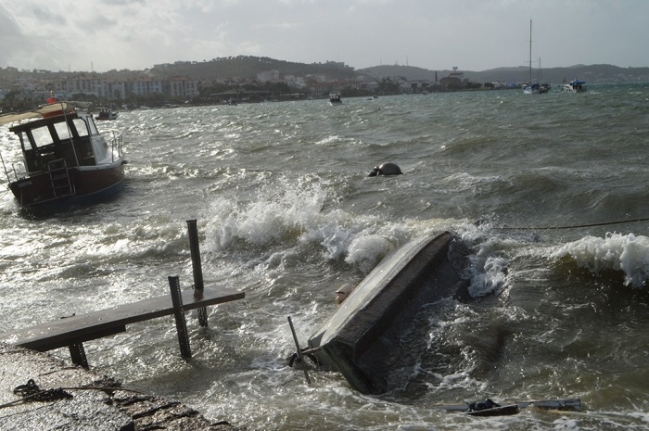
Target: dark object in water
<point x="386" y="169"/>
<point x="490" y="408"/>
<point x="362" y="338"/>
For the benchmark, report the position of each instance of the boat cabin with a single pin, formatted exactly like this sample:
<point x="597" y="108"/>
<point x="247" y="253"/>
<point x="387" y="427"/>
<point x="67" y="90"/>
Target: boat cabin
<point x="71" y="137"/>
<point x="106" y="114"/>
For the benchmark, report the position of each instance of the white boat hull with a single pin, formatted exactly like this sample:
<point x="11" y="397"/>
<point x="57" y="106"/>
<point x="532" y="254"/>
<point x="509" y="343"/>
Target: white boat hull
<point x="362" y="338"/>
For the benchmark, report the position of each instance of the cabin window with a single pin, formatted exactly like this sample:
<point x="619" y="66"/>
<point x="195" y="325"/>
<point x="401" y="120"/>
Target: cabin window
<point x="81" y="126"/>
<point x="63" y="131"/>
<point x="24" y="140"/>
<point x="41" y="136"/>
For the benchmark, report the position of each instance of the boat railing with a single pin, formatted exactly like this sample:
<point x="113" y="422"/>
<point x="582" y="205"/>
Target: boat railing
<point x="4" y="167"/>
<point x="115" y="138"/>
<point x="12" y="175"/>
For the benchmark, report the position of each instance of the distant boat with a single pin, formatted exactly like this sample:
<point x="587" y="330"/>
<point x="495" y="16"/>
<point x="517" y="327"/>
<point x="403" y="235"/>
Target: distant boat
<point x="65" y="158"/>
<point x="574" y="86"/>
<point x="534" y="88"/>
<point x="106" y="114"/>
<point x="334" y="99"/>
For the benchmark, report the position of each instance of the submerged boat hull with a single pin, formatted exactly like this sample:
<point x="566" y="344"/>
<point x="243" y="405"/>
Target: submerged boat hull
<point x="362" y="338"/>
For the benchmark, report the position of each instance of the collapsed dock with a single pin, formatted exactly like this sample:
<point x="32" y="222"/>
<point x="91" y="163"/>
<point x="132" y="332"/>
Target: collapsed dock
<point x="73" y="331"/>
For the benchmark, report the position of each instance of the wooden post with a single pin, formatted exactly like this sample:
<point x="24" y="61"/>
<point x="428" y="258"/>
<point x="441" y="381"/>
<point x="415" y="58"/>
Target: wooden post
<point x="78" y="355"/>
<point x="192" y="231"/>
<point x="179" y="313"/>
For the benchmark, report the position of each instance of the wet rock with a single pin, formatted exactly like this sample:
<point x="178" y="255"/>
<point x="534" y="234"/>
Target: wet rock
<point x="96" y="403"/>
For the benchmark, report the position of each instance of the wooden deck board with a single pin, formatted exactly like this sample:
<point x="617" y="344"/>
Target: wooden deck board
<point x="97" y="324"/>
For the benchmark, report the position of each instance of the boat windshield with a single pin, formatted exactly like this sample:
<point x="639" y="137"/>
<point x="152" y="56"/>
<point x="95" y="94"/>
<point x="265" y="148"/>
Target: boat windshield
<point x="62" y="131"/>
<point x="41" y="136"/>
<point x="81" y="126"/>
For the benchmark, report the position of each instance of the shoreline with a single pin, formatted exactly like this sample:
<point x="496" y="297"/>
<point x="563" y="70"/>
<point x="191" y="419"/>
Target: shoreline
<point x="79" y="399"/>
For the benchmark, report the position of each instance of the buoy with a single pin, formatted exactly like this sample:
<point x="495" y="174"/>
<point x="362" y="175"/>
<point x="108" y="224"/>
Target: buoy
<point x="343" y="292"/>
<point x="386" y="169"/>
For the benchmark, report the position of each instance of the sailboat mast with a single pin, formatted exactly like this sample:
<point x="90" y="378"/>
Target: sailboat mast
<point x="530" y="52"/>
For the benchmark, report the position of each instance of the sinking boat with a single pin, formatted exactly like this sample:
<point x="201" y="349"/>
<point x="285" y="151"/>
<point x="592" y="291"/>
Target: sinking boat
<point x="64" y="157"/>
<point x="362" y="338"/>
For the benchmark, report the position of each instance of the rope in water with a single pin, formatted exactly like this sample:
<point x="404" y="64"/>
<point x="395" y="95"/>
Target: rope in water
<point x="578" y="226"/>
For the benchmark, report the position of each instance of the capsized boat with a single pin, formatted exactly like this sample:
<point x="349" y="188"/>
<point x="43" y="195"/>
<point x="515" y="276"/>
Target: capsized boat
<point x="362" y="338"/>
<point x="64" y="157"/>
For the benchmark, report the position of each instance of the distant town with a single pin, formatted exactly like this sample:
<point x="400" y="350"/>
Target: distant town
<point x="256" y="79"/>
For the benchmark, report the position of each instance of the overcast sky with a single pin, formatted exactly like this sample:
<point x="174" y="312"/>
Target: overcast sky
<point x="473" y="35"/>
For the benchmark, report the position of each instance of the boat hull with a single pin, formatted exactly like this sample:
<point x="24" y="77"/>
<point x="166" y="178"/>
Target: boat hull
<point x="83" y="184"/>
<point x="362" y="338"/>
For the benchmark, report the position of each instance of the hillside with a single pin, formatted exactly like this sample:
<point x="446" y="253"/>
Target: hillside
<point x="598" y="73"/>
<point x="249" y="67"/>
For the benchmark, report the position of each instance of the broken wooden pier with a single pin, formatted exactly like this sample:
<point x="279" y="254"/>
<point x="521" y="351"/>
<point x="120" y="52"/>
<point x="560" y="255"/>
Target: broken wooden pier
<point x="74" y="331"/>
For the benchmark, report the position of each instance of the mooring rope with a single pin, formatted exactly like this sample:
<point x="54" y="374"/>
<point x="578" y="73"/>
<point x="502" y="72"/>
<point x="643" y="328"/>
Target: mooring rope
<point x="578" y="226"/>
<point x="31" y="392"/>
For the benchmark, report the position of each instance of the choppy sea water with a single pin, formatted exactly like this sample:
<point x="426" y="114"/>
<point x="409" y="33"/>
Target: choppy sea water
<point x="287" y="214"/>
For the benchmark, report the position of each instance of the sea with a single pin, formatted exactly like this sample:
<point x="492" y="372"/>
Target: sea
<point x="547" y="192"/>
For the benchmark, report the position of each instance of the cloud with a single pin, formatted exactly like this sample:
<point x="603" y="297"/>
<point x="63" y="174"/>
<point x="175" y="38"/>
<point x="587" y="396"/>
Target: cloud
<point x="474" y="35"/>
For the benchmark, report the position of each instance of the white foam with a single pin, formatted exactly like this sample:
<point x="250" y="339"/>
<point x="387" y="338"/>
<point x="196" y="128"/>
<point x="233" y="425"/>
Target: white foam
<point x="626" y="253"/>
<point x="488" y="268"/>
<point x="295" y="215"/>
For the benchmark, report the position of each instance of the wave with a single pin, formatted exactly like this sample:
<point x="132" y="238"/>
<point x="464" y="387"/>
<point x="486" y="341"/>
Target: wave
<point x="627" y="253"/>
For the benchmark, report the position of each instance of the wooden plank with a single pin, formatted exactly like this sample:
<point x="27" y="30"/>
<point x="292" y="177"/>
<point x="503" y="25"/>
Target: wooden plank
<point x="97" y="324"/>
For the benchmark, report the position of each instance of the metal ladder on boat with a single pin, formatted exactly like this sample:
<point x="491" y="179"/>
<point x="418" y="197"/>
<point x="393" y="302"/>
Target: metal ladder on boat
<point x="60" y="178"/>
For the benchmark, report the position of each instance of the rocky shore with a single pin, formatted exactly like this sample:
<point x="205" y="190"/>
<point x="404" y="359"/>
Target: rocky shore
<point x="39" y="392"/>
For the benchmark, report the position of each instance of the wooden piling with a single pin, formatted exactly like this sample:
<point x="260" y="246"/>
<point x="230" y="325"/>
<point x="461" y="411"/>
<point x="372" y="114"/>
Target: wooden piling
<point x="192" y="232"/>
<point x="78" y="355"/>
<point x="72" y="332"/>
<point x="179" y="314"/>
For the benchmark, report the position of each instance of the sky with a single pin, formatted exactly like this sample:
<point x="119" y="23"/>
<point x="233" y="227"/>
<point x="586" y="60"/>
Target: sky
<point x="473" y="35"/>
